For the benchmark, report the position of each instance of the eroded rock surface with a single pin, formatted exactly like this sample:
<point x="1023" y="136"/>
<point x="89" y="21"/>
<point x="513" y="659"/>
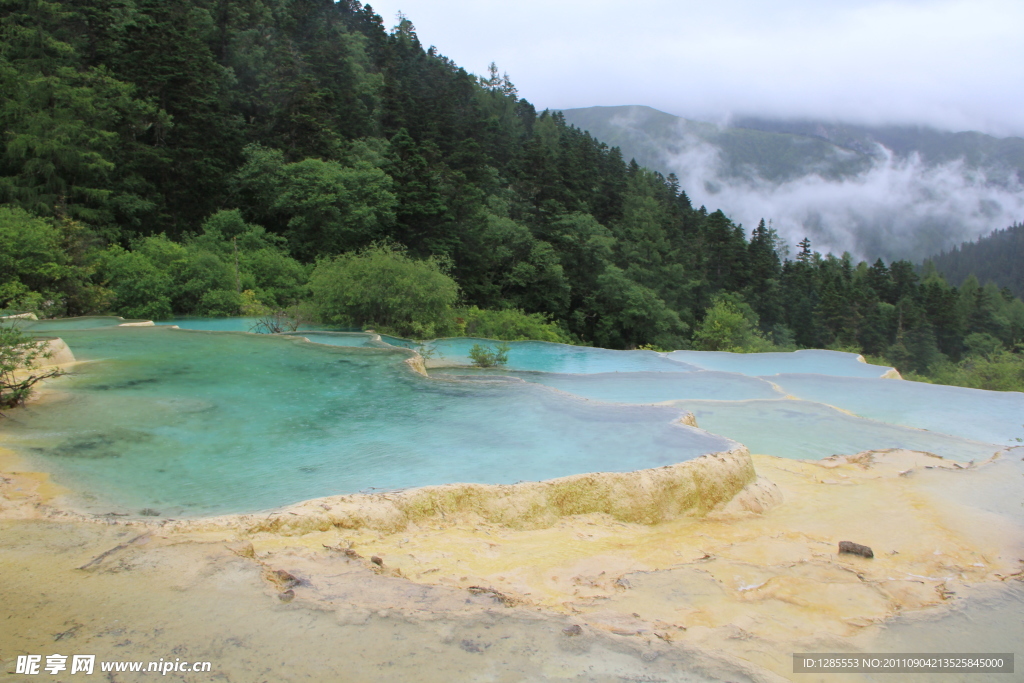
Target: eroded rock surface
<point x="723" y="593"/>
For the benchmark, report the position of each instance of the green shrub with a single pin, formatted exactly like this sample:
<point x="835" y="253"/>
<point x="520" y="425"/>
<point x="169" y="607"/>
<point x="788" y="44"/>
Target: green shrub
<point x="19" y="351"/>
<point x="220" y="303"/>
<point x="252" y="307"/>
<point x="140" y="288"/>
<point x="383" y="288"/>
<point x="730" y="325"/>
<point x="488" y="357"/>
<point x="31" y="259"/>
<point x="46" y="265"/>
<point x="1002" y="371"/>
<point x="510" y="324"/>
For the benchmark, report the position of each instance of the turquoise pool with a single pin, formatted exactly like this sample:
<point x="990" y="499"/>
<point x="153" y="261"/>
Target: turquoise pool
<point x="547" y="357"/>
<point x="227" y="324"/>
<point x="43" y="327"/>
<point x="216" y="420"/>
<point x="992" y="416"/>
<point x="816" y="361"/>
<point x="191" y="422"/>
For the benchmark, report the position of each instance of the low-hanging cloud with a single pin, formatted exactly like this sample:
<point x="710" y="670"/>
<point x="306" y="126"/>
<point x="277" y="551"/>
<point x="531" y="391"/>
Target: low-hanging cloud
<point x="900" y="207"/>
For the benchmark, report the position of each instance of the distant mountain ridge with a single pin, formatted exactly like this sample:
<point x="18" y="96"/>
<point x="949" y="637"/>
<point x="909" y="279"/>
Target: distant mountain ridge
<point x="649" y="136"/>
<point x="978" y="150"/>
<point x="889" y="191"/>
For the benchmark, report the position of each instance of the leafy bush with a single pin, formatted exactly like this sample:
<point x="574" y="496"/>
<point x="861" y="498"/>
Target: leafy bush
<point x="197" y="277"/>
<point x="382" y="287"/>
<point x="252" y="307"/>
<point x="46" y="265"/>
<point x="510" y="324"/>
<point x="19" y="351"/>
<point x="220" y="303"/>
<point x="632" y="315"/>
<point x="1000" y="371"/>
<point x="982" y="345"/>
<point x="487" y="357"/>
<point x="277" y="279"/>
<point x="730" y="325"/>
<point x="327" y="207"/>
<point x="30" y="255"/>
<point x="141" y="289"/>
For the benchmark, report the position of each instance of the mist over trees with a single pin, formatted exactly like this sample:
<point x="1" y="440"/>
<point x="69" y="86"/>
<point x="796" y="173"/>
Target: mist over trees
<point x="242" y="156"/>
<point x="884" y="191"/>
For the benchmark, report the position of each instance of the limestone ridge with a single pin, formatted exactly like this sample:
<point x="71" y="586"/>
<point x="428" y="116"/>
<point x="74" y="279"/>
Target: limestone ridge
<point x="648" y="496"/>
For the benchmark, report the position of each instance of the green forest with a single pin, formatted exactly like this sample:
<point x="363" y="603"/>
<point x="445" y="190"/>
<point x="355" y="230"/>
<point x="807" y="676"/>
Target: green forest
<point x="237" y="157"/>
<point x="1000" y="255"/>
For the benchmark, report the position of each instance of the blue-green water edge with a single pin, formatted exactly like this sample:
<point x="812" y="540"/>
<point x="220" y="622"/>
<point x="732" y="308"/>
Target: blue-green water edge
<point x="206" y="422"/>
<point x="200" y="422"/>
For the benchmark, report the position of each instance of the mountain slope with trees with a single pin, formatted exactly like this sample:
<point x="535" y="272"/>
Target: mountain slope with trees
<point x="1000" y="158"/>
<point x="783" y="150"/>
<point x="219" y="157"/>
<point x="998" y="258"/>
<point x="654" y="138"/>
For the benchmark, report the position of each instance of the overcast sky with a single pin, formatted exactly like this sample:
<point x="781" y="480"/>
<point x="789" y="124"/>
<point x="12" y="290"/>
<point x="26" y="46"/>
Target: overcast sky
<point x="954" y="64"/>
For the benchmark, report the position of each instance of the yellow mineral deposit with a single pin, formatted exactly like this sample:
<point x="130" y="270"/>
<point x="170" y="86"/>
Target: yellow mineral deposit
<point x="755" y="585"/>
<point x="24" y="492"/>
<point x="704" y="559"/>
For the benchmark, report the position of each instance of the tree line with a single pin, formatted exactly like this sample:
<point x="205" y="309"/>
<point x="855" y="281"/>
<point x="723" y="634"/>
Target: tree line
<point x="999" y="255"/>
<point x="225" y="157"/>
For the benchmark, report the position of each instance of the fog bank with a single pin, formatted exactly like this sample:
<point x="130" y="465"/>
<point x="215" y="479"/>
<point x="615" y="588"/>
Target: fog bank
<point x="897" y="208"/>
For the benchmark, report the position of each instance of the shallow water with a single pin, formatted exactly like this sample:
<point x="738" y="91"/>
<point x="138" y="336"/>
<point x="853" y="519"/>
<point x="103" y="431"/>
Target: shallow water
<point x="61" y="324"/>
<point x="398" y="341"/>
<point x="987" y="618"/>
<point x="203" y="422"/>
<point x="811" y="431"/>
<point x="816" y="361"/>
<point x="998" y="488"/>
<point x="339" y="338"/>
<point x="537" y="356"/>
<point x="207" y="421"/>
<point x="638" y="387"/>
<point x="226" y="324"/>
<point x="753" y="411"/>
<point x="994" y="416"/>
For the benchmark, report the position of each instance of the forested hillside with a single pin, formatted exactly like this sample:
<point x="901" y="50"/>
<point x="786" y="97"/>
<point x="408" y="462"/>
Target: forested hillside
<point x="219" y="157"/>
<point x="998" y="258"/>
